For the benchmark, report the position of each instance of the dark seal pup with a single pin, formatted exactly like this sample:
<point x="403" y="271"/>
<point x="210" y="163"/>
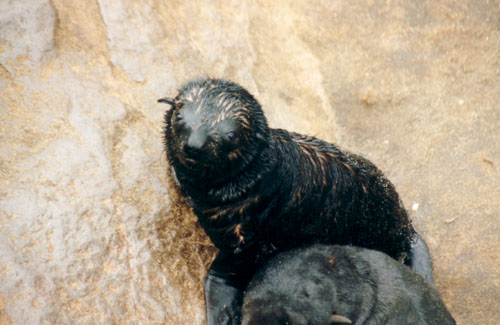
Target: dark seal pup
<point x="322" y="285"/>
<point x="258" y="191"/>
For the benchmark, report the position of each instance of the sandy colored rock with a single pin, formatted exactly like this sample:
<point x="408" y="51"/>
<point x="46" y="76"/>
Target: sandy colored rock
<point x="26" y="32"/>
<point x="93" y="231"/>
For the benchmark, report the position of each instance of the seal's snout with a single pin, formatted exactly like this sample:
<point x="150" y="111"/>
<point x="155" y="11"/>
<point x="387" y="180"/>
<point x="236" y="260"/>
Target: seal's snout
<point x="196" y="143"/>
<point x="197" y="140"/>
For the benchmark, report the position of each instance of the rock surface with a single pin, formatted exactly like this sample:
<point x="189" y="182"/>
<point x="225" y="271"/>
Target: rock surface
<point x="91" y="229"/>
<point x="26" y="32"/>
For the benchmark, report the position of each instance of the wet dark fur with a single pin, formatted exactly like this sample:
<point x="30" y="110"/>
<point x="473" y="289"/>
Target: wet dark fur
<point x="307" y="286"/>
<point x="258" y="191"/>
<point x="281" y="189"/>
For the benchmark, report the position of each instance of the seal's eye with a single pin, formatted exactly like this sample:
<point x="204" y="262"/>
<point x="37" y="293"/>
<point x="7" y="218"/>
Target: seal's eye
<point x="231" y="136"/>
<point x="178" y="117"/>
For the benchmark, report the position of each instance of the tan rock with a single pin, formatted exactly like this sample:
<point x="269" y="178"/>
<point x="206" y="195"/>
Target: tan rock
<point x="91" y="228"/>
<point x="26" y="33"/>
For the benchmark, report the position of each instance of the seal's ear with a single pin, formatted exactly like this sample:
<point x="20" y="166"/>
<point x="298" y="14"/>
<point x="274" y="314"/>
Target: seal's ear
<point x="168" y="100"/>
<point x="338" y="319"/>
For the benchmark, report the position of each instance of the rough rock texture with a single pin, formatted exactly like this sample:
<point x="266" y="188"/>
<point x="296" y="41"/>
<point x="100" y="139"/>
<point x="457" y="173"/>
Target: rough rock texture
<point x="26" y="32"/>
<point x="91" y="229"/>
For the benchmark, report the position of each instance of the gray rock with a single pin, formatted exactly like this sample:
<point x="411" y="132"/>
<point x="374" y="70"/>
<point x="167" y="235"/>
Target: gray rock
<point x="133" y="31"/>
<point x="26" y="32"/>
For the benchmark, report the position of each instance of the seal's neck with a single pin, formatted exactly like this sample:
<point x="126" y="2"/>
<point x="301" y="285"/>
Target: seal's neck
<point x="240" y="183"/>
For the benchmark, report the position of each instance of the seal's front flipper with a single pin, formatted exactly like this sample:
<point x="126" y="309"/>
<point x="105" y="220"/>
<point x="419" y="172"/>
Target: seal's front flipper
<point x="226" y="280"/>
<point x="223" y="301"/>
<point x="421" y="262"/>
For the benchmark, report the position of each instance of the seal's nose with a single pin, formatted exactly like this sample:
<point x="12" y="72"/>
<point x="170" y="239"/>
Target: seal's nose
<point x="196" y="141"/>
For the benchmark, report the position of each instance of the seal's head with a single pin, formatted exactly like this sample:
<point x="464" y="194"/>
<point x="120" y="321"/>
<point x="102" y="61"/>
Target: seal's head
<point x="214" y="130"/>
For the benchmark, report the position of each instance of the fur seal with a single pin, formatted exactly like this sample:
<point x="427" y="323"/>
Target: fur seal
<point x="258" y="190"/>
<point x="321" y="284"/>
